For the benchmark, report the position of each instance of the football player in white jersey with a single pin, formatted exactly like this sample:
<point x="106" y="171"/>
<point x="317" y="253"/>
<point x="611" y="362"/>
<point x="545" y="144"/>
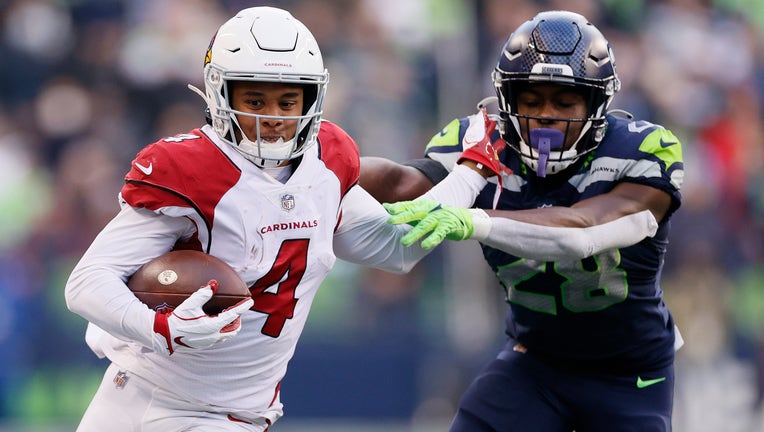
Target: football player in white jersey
<point x="268" y="187"/>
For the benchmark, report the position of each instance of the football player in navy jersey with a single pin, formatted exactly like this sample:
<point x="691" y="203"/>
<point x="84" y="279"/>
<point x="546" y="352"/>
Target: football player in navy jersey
<point x="574" y="222"/>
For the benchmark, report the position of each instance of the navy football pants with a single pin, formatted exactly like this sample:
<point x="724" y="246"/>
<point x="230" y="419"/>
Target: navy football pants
<point x="518" y="392"/>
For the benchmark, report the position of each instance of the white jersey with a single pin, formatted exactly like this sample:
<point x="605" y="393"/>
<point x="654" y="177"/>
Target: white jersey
<point x="194" y="191"/>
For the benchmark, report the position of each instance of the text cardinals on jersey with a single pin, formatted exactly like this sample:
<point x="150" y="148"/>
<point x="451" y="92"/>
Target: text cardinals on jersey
<point x="289" y="226"/>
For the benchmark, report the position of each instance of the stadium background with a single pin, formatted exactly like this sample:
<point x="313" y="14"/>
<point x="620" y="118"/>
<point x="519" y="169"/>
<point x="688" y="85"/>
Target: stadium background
<point x="85" y="83"/>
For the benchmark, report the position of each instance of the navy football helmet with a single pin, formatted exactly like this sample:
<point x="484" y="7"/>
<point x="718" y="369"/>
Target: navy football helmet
<point x="557" y="47"/>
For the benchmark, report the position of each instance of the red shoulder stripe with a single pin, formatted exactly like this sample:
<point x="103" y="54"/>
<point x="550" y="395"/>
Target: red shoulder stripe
<point x="339" y="152"/>
<point x="186" y="170"/>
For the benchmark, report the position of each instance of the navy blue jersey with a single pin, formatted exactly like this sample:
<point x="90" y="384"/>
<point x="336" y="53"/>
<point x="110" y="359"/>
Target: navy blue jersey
<point x="604" y="311"/>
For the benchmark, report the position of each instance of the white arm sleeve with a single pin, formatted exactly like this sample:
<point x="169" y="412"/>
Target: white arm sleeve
<point x="365" y="237"/>
<point x="548" y="243"/>
<point x="96" y="288"/>
<point x="459" y="189"/>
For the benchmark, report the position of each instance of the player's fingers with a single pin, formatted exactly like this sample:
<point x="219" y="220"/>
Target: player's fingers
<point x="401" y="212"/>
<point x="413" y="213"/>
<point x="405" y="218"/>
<point x="421" y="205"/>
<point x="434" y="239"/>
<point x="420" y="230"/>
<point x="213" y="284"/>
<point x="234" y="325"/>
<point x="230" y="314"/>
<point x="241" y="307"/>
<point x="396" y="207"/>
<point x="490" y="125"/>
<point x="196" y="300"/>
<point x="499" y="145"/>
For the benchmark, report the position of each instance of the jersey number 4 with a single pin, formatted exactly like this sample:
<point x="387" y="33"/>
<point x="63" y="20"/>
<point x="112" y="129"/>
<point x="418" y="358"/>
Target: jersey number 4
<point x="285" y="275"/>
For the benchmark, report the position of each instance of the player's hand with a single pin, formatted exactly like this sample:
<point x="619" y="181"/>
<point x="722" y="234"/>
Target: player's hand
<point x="479" y="148"/>
<point x="409" y="212"/>
<point x="187" y="327"/>
<point x="435" y="222"/>
<point x="451" y="223"/>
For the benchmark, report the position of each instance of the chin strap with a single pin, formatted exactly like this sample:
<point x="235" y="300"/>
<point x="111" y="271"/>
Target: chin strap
<point x="249" y="149"/>
<point x="246" y="142"/>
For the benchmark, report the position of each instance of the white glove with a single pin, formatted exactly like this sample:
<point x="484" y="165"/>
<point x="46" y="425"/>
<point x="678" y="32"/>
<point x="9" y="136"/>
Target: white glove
<point x="187" y="327"/>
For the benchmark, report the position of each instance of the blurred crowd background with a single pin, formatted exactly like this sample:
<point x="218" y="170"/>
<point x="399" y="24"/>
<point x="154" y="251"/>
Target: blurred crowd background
<point x="84" y="84"/>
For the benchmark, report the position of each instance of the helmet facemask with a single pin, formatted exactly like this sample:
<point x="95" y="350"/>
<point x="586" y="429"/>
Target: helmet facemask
<point x="544" y="150"/>
<point x="264" y="153"/>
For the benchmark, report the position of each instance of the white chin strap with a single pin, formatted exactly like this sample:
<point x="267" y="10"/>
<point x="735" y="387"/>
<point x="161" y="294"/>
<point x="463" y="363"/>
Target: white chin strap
<point x="266" y="155"/>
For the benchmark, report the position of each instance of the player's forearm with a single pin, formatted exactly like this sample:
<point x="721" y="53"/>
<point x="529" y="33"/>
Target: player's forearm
<point x="101" y="298"/>
<point x="379" y="246"/>
<point x="388" y="181"/>
<point x="550" y="243"/>
<point x="96" y="289"/>
<point x="364" y="236"/>
<point x="459" y="189"/>
<point x="548" y="216"/>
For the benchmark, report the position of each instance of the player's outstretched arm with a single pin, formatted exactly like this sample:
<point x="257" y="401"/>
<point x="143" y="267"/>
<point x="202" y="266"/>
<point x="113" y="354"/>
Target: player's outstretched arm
<point x="620" y="218"/>
<point x="433" y="222"/>
<point x="389" y="181"/>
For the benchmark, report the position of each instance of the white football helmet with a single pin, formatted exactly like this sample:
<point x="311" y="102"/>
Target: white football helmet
<point x="264" y="44"/>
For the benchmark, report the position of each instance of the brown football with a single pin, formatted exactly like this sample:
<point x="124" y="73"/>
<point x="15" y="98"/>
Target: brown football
<point x="169" y="279"/>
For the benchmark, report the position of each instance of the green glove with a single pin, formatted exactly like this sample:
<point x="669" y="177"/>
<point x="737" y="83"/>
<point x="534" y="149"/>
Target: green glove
<point x="452" y="223"/>
<point x="410" y="212"/>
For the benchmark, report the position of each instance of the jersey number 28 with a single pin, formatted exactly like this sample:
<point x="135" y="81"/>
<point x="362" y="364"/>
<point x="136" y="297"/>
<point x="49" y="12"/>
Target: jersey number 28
<point x="588" y="285"/>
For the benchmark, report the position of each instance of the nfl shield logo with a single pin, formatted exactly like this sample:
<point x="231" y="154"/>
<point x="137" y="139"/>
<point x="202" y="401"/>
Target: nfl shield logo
<point x="287" y="202"/>
<point x="120" y="380"/>
<point x="164" y="308"/>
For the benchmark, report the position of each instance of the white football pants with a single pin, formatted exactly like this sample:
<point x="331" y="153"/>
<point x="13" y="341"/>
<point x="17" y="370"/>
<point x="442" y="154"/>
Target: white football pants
<point x="126" y="402"/>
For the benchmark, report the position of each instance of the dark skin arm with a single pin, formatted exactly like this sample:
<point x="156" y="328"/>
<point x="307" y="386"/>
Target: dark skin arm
<point x="624" y="199"/>
<point x="389" y="181"/>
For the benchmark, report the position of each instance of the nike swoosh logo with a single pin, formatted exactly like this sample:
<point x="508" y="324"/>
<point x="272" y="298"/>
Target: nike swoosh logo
<point x="145" y="169"/>
<point x="179" y="341"/>
<point x="665" y="144"/>
<point x="647" y="383"/>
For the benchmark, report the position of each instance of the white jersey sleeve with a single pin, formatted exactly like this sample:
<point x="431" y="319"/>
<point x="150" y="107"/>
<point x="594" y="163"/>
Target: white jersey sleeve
<point x="364" y="236"/>
<point x="460" y="187"/>
<point x="551" y="243"/>
<point x="96" y="288"/>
